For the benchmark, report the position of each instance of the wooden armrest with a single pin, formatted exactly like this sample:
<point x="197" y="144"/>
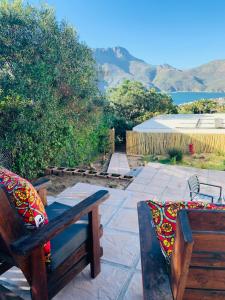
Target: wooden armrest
<point x="41" y="183"/>
<point x="39" y="237"/>
<point x="155" y="278"/>
<point x="181" y="256"/>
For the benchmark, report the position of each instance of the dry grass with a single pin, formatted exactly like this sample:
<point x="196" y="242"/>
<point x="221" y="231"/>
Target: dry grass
<point x="209" y="161"/>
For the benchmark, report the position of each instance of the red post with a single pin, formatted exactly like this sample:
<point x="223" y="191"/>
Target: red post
<point x="191" y="149"/>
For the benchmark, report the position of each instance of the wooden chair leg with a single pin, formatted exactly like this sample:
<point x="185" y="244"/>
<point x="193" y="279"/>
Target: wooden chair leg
<point x="39" y="287"/>
<point x="95" y="242"/>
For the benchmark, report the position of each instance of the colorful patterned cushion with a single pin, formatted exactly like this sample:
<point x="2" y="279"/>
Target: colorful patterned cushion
<point x="27" y="202"/>
<point x="164" y="216"/>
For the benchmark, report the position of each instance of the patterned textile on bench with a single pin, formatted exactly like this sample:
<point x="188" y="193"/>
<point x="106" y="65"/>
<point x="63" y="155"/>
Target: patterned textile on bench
<point x="164" y="216"/>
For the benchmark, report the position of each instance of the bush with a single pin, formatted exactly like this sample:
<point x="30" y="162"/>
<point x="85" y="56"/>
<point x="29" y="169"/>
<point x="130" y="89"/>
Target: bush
<point x="50" y="113"/>
<point x="131" y="103"/>
<point x="175" y="154"/>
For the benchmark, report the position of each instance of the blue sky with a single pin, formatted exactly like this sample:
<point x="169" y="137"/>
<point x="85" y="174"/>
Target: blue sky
<point x="183" y="33"/>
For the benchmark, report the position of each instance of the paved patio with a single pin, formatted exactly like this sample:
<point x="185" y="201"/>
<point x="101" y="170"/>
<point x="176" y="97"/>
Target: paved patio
<point x="121" y="269"/>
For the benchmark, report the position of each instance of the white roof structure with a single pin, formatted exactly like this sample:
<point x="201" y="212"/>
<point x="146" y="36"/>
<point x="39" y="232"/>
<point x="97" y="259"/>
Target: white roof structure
<point x="184" y="123"/>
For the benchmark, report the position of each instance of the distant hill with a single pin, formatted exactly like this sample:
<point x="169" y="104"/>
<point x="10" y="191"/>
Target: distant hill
<point x="116" y="64"/>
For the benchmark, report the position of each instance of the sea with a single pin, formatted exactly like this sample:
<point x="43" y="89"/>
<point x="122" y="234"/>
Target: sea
<point x="185" y="97"/>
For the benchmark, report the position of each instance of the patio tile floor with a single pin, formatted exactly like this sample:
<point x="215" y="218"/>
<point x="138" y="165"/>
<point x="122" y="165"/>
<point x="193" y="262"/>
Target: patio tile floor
<point x="120" y="277"/>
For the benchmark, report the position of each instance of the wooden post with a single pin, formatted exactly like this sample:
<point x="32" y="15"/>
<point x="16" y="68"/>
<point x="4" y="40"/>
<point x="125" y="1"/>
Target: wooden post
<point x="94" y="242"/>
<point x="39" y="287"/>
<point x="43" y="195"/>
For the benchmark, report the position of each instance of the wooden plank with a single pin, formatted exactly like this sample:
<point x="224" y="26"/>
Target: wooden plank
<point x="197" y="294"/>
<point x="39" y="287"/>
<point x="208" y="259"/>
<point x="54" y="277"/>
<point x="67" y="276"/>
<point x="207" y="220"/>
<point x="41" y="183"/>
<point x="206" y="278"/>
<point x="40" y="236"/>
<point x="181" y="256"/>
<point x="155" y="278"/>
<point x="209" y="241"/>
<point x="94" y="242"/>
<point x="43" y="195"/>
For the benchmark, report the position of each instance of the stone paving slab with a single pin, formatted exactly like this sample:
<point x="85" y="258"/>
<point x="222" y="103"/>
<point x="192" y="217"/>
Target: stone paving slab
<point x="134" y="290"/>
<point x="119" y="164"/>
<point x="114" y="240"/>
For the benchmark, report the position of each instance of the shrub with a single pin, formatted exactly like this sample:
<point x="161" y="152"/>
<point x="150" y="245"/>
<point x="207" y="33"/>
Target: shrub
<point x="175" y="154"/>
<point x="50" y="113"/>
<point x="131" y="103"/>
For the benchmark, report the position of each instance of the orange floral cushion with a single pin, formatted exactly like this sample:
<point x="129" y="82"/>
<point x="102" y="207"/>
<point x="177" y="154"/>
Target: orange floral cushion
<point x="27" y="202"/>
<point x="164" y="216"/>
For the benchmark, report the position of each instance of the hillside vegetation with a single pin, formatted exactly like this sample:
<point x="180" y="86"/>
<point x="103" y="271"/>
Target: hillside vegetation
<point x="50" y="108"/>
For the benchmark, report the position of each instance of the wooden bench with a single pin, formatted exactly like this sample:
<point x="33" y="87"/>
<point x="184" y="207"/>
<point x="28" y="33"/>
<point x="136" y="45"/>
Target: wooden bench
<point x="197" y="267"/>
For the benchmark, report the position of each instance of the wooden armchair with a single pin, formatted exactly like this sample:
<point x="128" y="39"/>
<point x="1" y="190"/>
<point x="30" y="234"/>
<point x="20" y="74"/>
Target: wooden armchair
<point x="73" y="246"/>
<point x="197" y="267"/>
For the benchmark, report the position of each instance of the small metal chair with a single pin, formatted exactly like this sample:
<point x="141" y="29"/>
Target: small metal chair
<point x="195" y="194"/>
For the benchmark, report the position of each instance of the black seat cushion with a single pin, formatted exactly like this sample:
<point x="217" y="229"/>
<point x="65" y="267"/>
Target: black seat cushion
<point x="65" y="243"/>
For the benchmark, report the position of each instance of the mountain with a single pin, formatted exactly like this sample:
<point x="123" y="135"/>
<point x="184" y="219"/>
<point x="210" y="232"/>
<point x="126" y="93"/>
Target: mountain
<point x="116" y="64"/>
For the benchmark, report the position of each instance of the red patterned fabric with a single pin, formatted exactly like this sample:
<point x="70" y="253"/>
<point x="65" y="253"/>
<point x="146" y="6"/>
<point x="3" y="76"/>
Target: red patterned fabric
<point x="27" y="202"/>
<point x="164" y="216"/>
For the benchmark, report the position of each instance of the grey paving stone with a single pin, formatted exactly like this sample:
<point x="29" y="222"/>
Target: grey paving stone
<point x="120" y="247"/>
<point x="134" y="198"/>
<point x="107" y="285"/>
<point x="125" y="220"/>
<point x="138" y="267"/>
<point x="118" y="164"/>
<point x="134" y="291"/>
<point x="106" y="213"/>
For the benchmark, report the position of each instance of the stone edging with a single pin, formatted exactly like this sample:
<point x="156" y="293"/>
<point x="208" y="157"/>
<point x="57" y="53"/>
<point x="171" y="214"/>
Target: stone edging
<point x="85" y="172"/>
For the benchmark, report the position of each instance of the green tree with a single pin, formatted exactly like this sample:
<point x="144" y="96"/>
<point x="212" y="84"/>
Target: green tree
<point x="131" y="103"/>
<point x="202" y="106"/>
<point x="49" y="111"/>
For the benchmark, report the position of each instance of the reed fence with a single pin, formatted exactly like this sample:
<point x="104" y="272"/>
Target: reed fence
<point x="142" y="143"/>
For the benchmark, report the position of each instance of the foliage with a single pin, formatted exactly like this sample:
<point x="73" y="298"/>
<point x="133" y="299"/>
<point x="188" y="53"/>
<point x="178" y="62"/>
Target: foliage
<point x="202" y="106"/>
<point x="175" y="154"/>
<point x="49" y="103"/>
<point x="210" y="161"/>
<point x="131" y="103"/>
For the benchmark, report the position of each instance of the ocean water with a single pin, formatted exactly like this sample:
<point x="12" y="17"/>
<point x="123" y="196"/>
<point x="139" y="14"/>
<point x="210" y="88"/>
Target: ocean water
<point x="184" y="97"/>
